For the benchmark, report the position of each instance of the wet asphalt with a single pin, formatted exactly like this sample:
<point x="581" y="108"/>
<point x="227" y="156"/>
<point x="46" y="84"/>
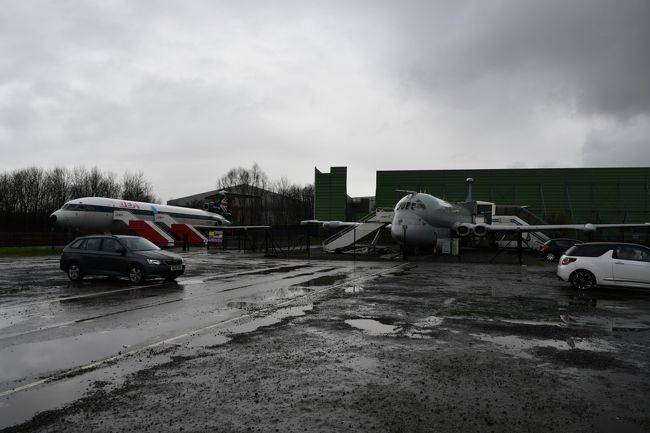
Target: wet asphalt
<point x="244" y="343"/>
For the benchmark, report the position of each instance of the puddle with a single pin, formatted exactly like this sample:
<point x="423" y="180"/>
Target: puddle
<point x="518" y="345"/>
<point x="21" y="406"/>
<point x="221" y="335"/>
<point x="605" y="323"/>
<point x="39" y="357"/>
<point x="372" y="327"/>
<point x="325" y="280"/>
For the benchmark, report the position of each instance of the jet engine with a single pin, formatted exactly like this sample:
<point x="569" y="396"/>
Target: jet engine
<point x="467" y="229"/>
<point x="464" y="229"/>
<point x="480" y="230"/>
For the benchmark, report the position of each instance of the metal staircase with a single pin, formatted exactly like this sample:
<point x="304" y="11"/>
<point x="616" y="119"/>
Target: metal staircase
<point x="185" y="232"/>
<point x="145" y="228"/>
<point x="368" y="225"/>
<point x="517" y="215"/>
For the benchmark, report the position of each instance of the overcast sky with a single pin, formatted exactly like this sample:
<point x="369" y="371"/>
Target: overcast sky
<point x="185" y="90"/>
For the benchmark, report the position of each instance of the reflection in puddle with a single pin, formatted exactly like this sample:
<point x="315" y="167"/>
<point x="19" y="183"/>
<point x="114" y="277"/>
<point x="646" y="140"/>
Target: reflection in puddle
<point x="325" y="280"/>
<point x="220" y="336"/>
<point x="518" y="345"/>
<point x="22" y="360"/>
<point x="372" y="327"/>
<point x="583" y="299"/>
<point x="606" y="323"/>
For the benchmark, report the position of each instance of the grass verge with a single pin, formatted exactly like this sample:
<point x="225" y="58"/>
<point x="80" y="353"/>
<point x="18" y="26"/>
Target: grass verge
<point x="29" y="251"/>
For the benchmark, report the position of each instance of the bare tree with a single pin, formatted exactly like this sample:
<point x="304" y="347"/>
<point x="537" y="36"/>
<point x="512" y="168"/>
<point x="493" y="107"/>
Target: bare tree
<point x="137" y="188"/>
<point x="29" y="195"/>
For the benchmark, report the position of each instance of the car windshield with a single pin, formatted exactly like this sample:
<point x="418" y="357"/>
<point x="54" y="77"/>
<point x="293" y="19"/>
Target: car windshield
<point x="139" y="244"/>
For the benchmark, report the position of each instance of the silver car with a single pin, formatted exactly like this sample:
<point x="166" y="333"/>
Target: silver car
<point x="605" y="263"/>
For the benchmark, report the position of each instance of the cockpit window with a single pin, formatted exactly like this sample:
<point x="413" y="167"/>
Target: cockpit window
<point x="410" y="205"/>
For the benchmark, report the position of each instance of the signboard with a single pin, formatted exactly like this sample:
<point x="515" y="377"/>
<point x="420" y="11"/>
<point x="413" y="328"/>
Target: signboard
<point x="215" y="237"/>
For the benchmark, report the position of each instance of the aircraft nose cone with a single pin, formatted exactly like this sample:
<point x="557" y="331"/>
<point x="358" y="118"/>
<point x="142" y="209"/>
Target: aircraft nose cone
<point x="53" y="218"/>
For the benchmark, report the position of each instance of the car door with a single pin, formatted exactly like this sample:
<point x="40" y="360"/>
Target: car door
<point x="91" y="257"/>
<point x="112" y="257"/>
<point x="631" y="266"/>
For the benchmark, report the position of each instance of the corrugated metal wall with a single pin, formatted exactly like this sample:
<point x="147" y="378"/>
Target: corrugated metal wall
<point x="562" y="195"/>
<point x="330" y="194"/>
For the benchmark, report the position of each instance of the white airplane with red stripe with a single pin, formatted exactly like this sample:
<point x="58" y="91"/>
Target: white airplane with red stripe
<point x="98" y="214"/>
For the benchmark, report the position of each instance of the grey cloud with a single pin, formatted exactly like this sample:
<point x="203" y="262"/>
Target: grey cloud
<point x="619" y="144"/>
<point x="591" y="54"/>
<point x="302" y="83"/>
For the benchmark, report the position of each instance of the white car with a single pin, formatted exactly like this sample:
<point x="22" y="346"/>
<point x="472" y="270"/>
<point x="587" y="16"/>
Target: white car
<point x="605" y="263"/>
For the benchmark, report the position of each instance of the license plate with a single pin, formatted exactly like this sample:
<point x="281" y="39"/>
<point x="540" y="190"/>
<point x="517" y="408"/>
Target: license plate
<point x="176" y="267"/>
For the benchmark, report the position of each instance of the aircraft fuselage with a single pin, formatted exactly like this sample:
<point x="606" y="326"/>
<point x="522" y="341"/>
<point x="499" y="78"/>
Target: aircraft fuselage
<point x="421" y="219"/>
<point x="97" y="214"/>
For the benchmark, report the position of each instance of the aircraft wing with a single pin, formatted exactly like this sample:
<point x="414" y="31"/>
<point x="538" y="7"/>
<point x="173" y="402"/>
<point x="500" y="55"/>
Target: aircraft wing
<point x="541" y="227"/>
<point x="225" y="227"/>
<point x="467" y="229"/>
<point x="331" y="224"/>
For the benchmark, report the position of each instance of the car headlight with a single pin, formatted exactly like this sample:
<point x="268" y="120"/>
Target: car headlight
<point x="153" y="261"/>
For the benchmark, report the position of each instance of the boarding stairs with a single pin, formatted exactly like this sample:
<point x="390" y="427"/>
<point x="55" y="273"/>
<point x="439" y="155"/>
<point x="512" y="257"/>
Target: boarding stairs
<point x="186" y="232"/>
<point x="145" y="228"/>
<point x="368" y="225"/>
<point x="516" y="215"/>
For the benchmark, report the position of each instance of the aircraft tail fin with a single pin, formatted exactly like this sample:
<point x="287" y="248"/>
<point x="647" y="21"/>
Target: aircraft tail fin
<point x="220" y="205"/>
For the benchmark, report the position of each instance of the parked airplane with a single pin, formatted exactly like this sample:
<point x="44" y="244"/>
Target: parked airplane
<point x="96" y="214"/>
<point x="422" y="220"/>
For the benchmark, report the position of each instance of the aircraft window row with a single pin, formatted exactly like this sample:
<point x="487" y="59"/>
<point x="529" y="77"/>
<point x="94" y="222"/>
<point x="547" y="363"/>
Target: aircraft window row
<point x="74" y="206"/>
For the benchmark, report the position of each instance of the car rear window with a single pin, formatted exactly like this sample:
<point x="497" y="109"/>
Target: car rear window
<point x="589" y="250"/>
<point x="78" y="243"/>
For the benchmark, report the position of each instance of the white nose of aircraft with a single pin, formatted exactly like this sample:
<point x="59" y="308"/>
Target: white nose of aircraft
<point x="58" y="218"/>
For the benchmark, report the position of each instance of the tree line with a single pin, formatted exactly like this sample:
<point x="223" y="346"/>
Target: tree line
<point x="29" y="195"/>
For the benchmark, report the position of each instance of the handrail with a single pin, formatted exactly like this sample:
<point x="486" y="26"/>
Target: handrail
<point x="350" y="228"/>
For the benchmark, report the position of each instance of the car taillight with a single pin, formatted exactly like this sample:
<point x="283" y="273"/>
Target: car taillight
<point x="567" y="260"/>
<point x="545" y="247"/>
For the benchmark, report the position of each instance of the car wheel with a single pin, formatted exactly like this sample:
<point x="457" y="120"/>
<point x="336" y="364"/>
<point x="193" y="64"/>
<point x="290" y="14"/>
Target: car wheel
<point x="583" y="280"/>
<point x="136" y="274"/>
<point x="550" y="257"/>
<point x="74" y="272"/>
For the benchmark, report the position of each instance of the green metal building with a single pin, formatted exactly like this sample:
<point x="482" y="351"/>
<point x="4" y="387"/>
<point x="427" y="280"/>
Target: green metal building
<point x="330" y="194"/>
<point x="557" y="195"/>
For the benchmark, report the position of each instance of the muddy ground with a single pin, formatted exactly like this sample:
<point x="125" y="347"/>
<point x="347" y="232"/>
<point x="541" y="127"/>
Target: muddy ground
<point x="434" y="348"/>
